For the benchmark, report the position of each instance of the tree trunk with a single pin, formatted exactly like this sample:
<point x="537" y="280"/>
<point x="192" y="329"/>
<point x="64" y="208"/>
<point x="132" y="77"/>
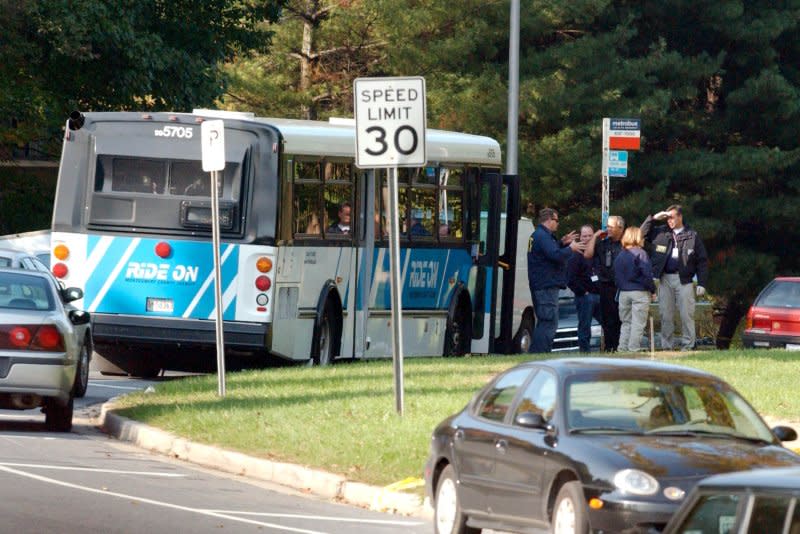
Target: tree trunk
<point x="308" y="111"/>
<point x="731" y="315"/>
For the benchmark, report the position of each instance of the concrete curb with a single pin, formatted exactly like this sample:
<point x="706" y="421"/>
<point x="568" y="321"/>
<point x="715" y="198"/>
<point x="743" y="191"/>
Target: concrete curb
<point x="321" y="483"/>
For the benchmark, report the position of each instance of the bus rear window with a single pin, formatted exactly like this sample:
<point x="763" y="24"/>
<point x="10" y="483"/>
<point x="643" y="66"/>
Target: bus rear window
<point x="118" y="174"/>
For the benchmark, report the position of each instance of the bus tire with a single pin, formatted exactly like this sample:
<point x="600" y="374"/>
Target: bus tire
<point x="326" y="336"/>
<point x="457" y="334"/>
<point x="524" y="336"/>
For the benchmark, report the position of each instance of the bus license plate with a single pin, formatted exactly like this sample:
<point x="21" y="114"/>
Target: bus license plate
<point x="160" y="305"/>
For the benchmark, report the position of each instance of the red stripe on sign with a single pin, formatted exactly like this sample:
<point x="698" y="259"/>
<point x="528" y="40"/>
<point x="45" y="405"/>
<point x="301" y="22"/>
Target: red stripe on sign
<point x="624" y="143"/>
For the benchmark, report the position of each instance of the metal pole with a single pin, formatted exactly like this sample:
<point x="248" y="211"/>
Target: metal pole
<point x="513" y="89"/>
<point x="397" y="305"/>
<point x="217" y="283"/>
<point x="605" y="199"/>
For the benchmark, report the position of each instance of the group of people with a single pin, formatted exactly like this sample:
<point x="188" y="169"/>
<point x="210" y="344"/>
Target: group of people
<point x="614" y="274"/>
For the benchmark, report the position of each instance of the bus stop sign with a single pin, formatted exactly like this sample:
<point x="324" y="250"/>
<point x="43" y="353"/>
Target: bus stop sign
<point x="390" y="122"/>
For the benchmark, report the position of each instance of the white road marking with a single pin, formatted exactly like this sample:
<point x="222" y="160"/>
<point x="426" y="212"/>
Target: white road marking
<point x="325" y="518"/>
<point x="92" y="469"/>
<point x="154" y="502"/>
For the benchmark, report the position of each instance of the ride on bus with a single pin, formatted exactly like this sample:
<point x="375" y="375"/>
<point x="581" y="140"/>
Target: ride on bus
<point x="304" y="244"/>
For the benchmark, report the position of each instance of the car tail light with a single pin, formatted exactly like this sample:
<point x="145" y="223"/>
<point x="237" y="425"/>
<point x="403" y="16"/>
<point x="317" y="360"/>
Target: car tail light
<point x="749" y="321"/>
<point x="48" y="338"/>
<point x="263" y="283"/>
<point x="761" y="321"/>
<point x="31" y="337"/>
<point x="19" y="337"/>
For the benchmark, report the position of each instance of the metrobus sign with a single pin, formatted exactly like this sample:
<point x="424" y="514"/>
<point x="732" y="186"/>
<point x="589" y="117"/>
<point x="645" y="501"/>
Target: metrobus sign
<point x="390" y="122"/>
<point x="624" y="134"/>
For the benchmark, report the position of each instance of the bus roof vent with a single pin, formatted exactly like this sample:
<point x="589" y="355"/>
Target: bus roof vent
<point x="342" y="121"/>
<point x="224" y="114"/>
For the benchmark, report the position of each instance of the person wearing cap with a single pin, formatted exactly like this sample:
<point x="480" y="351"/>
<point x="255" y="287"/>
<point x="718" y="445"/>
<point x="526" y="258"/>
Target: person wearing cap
<point x="678" y="255"/>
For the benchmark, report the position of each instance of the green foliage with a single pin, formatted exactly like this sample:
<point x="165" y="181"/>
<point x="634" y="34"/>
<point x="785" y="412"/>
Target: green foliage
<point x="60" y="55"/>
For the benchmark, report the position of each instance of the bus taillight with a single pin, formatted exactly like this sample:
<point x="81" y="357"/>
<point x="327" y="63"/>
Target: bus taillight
<point x="263" y="283"/>
<point x="61" y="251"/>
<point x="60" y="270"/>
<point x="264" y="265"/>
<point x="163" y="250"/>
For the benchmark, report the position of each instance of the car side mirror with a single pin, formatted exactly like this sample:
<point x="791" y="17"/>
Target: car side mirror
<point x="531" y="420"/>
<point x="71" y="293"/>
<point x="784" y="433"/>
<point x="79" y="317"/>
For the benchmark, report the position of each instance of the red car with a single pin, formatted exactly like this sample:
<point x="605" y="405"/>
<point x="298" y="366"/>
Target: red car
<point x="773" y="320"/>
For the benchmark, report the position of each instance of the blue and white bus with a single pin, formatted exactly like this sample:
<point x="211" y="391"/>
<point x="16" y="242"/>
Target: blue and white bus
<point x="304" y="249"/>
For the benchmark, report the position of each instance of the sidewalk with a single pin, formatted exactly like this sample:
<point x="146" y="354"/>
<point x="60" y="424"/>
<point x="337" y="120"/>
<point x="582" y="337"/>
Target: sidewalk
<point x="321" y="483"/>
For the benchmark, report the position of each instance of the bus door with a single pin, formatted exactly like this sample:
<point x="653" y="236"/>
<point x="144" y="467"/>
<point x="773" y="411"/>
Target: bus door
<point x="489" y="248"/>
<point x="506" y="265"/>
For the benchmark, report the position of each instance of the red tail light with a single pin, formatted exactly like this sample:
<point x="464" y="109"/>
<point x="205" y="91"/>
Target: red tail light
<point x="263" y="283"/>
<point x="31" y="337"/>
<point x="48" y="338"/>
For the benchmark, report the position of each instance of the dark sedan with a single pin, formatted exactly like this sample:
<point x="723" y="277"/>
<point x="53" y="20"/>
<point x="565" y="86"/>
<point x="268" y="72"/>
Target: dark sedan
<point x="761" y="500"/>
<point x="598" y="444"/>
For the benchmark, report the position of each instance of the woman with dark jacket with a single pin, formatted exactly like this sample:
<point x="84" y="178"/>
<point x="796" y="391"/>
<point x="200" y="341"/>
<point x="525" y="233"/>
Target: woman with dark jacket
<point x="633" y="274"/>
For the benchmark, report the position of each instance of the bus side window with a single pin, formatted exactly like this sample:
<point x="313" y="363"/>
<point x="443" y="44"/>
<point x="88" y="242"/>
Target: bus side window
<point x="307" y="206"/>
<point x="307" y="200"/>
<point x="451" y="203"/>
<point x="339" y="206"/>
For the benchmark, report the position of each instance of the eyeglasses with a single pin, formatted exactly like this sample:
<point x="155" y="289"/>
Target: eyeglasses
<point x="554" y="219"/>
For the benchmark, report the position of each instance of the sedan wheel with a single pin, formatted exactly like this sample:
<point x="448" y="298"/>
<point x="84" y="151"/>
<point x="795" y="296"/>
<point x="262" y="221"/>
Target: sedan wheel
<point x="448" y="517"/>
<point x="569" y="514"/>
<point x="82" y="373"/>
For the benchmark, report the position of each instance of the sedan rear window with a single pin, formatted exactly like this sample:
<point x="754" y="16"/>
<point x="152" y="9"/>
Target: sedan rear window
<point x="781" y="294"/>
<point x="23" y="292"/>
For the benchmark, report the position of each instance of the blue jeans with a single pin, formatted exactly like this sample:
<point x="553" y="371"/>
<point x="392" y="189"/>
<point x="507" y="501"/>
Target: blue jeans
<point x="545" y="306"/>
<point x="587" y="306"/>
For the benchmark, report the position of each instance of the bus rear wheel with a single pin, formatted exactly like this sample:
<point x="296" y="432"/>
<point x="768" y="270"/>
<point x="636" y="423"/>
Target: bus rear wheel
<point x="456" y="336"/>
<point x="326" y="339"/>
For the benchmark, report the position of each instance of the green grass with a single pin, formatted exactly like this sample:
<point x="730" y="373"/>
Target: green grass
<point x="343" y="418"/>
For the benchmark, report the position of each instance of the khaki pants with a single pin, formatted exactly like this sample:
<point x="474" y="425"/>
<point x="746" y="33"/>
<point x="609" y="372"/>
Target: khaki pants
<point x="672" y="296"/>
<point x="633" y="309"/>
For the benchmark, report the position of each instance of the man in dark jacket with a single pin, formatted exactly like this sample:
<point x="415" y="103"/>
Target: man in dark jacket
<point x="603" y="249"/>
<point x="547" y="273"/>
<point x="678" y="255"/>
<point x="583" y="283"/>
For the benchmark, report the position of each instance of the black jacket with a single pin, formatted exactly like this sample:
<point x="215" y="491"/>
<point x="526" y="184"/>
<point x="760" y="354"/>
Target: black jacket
<point x="606" y="251"/>
<point x="579" y="275"/>
<point x="692" y="256"/>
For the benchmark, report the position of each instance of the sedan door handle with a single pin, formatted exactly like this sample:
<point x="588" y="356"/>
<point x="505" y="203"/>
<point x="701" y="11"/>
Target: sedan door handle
<point x="501" y="446"/>
<point x="459" y="435"/>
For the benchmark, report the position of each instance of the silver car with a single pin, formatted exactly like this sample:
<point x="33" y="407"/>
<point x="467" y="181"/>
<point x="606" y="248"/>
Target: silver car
<point x="23" y="260"/>
<point x="41" y="342"/>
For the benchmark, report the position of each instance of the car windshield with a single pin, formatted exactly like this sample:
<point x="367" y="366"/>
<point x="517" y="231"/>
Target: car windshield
<point x="661" y="404"/>
<point x="781" y="294"/>
<point x="19" y="291"/>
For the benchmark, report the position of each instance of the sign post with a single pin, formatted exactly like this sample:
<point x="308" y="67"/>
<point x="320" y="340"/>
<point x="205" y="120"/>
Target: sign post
<point x="212" y="135"/>
<point x="619" y="135"/>
<point x="390" y="133"/>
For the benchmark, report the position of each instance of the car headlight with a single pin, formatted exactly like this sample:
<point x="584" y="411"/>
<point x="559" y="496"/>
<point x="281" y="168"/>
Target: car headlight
<point x="635" y="482"/>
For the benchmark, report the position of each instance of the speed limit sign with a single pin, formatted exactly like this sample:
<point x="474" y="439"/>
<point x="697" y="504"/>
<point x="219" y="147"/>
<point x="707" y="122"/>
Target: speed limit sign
<point x="390" y="122"/>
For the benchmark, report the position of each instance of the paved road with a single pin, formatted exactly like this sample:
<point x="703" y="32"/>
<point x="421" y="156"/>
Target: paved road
<point x="86" y="482"/>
